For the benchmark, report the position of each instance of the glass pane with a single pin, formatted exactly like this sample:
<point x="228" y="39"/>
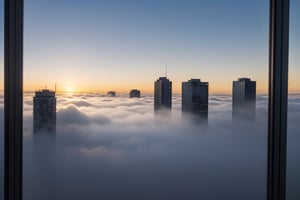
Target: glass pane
<point x="293" y="160"/>
<point x="183" y="136"/>
<point x="1" y="96"/>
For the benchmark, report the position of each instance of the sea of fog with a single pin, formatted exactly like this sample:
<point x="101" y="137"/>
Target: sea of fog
<point x="116" y="149"/>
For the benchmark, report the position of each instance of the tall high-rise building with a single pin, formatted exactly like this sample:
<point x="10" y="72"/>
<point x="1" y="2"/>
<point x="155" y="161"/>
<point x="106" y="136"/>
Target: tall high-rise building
<point x="44" y="111"/>
<point x="195" y="98"/>
<point x="162" y="94"/>
<point x="244" y="99"/>
<point x="135" y="93"/>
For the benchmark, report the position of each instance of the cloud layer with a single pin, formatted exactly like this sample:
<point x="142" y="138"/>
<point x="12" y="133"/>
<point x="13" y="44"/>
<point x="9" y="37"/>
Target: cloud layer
<point x="115" y="148"/>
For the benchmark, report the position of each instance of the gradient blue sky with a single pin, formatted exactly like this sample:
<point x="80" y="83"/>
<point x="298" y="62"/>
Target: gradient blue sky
<point x="94" y="45"/>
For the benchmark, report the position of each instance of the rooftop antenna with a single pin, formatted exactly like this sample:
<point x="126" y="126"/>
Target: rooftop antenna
<point x="166" y="73"/>
<point x="55" y="87"/>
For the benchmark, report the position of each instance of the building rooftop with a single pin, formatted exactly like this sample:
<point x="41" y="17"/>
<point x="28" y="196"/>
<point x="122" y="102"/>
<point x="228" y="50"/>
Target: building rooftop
<point x="244" y="79"/>
<point x="45" y="93"/>
<point x="134" y="90"/>
<point x="162" y="78"/>
<point x="111" y="93"/>
<point x="195" y="81"/>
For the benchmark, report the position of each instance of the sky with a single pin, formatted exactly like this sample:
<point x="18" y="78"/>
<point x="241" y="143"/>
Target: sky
<point x="96" y="46"/>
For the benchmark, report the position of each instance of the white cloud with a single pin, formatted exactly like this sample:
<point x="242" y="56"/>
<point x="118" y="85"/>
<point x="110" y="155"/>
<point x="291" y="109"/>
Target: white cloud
<point x="106" y="144"/>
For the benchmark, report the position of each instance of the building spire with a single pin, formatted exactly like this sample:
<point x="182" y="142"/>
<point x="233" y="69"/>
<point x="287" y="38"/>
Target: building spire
<point x="166" y="72"/>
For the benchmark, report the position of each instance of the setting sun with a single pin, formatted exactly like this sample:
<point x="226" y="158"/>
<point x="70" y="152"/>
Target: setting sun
<point x="69" y="90"/>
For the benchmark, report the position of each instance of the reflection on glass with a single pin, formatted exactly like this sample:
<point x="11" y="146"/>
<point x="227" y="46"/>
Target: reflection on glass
<point x="293" y="139"/>
<point x="183" y="60"/>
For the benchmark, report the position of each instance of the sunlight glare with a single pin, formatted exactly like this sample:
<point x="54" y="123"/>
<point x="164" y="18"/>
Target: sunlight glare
<point x="70" y="90"/>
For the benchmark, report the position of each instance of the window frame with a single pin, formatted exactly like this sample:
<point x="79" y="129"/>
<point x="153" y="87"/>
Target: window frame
<point x="278" y="98"/>
<point x="277" y="113"/>
<point x="13" y="99"/>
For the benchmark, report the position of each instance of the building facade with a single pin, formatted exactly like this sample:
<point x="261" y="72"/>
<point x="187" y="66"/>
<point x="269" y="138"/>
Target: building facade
<point x="135" y="93"/>
<point x="244" y="99"/>
<point x="195" y="99"/>
<point x="162" y="94"/>
<point x="44" y="111"/>
<point x="111" y="93"/>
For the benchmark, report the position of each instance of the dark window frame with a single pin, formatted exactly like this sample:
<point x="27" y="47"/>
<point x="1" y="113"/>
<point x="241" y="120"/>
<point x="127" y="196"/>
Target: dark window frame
<point x="13" y="99"/>
<point x="278" y="98"/>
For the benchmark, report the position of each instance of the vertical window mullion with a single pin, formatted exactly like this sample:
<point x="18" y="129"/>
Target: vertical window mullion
<point x="13" y="99"/>
<point x="278" y="91"/>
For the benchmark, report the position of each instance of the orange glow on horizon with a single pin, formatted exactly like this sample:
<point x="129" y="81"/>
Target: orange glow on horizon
<point x="146" y="86"/>
<point x="145" y="89"/>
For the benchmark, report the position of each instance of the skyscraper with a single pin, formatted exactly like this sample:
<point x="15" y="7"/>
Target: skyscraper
<point x="195" y="98"/>
<point x="135" y="93"/>
<point x="44" y="111"/>
<point x="111" y="93"/>
<point x="244" y="99"/>
<point x="162" y="94"/>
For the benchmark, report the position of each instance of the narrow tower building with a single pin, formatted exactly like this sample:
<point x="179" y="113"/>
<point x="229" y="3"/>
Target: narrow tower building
<point x="195" y="99"/>
<point x="244" y="99"/>
<point x="135" y="93"/>
<point x="162" y="94"/>
<point x="44" y="111"/>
